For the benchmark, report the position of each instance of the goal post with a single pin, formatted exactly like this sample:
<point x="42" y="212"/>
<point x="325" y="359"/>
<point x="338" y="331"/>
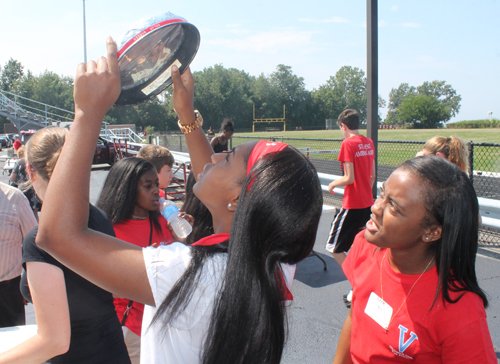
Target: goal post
<point x="272" y="120"/>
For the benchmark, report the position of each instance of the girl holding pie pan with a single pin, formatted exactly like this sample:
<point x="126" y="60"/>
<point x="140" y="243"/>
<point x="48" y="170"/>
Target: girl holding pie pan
<point x="219" y="300"/>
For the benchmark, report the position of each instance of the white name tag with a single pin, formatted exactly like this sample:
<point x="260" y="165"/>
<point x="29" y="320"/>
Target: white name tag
<point x="379" y="310"/>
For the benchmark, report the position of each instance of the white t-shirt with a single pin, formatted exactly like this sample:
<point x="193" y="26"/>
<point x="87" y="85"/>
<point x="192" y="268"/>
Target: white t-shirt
<point x="183" y="340"/>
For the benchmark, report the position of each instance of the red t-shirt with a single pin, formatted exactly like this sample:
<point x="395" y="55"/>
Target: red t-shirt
<point x="358" y="150"/>
<point x="137" y="232"/>
<point x="448" y="333"/>
<point x="162" y="194"/>
<point x="17" y="144"/>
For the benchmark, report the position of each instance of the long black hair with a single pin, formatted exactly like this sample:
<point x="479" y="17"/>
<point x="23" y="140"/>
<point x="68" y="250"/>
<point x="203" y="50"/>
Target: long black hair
<point x="451" y="202"/>
<point x="119" y="193"/>
<point x="275" y="222"/>
<point x="203" y="224"/>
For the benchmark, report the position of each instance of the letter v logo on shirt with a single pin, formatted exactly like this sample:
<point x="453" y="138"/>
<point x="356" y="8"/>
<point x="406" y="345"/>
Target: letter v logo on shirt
<point x="402" y="344"/>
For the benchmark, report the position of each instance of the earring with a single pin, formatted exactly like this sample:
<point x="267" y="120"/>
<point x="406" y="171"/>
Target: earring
<point x="229" y="205"/>
<point x="426" y="238"/>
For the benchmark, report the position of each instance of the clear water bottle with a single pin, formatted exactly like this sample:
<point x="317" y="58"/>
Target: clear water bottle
<point x="181" y="226"/>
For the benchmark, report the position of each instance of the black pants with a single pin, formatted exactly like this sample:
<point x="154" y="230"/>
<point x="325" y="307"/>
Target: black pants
<point x="11" y="303"/>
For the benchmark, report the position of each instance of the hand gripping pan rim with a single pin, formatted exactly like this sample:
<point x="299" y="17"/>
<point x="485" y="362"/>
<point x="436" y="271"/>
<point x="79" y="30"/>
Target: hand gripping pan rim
<point x="186" y="51"/>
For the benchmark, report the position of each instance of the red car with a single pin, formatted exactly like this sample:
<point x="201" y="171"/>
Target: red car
<point x="104" y="152"/>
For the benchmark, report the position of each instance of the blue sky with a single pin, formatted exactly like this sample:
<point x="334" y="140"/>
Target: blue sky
<point x="456" y="41"/>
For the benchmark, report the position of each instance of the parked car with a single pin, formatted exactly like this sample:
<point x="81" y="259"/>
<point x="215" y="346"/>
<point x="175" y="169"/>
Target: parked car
<point x="104" y="152"/>
<point x="5" y="142"/>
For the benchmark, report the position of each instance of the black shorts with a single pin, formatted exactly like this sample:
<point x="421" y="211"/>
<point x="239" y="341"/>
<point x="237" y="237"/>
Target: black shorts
<point x="345" y="226"/>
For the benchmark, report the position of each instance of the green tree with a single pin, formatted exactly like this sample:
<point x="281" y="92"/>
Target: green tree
<point x="396" y="97"/>
<point x="290" y="91"/>
<point x="345" y="90"/>
<point x="423" y="112"/>
<point x="440" y="90"/>
<point x="444" y="93"/>
<point x="266" y="99"/>
<point x="12" y="71"/>
<point x="223" y="93"/>
<point x="150" y="113"/>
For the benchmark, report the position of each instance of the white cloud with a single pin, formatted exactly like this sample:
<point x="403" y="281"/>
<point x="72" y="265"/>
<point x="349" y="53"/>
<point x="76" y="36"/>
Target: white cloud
<point x="335" y="19"/>
<point x="394" y="8"/>
<point x="268" y="42"/>
<point x="411" y="25"/>
<point x="382" y="23"/>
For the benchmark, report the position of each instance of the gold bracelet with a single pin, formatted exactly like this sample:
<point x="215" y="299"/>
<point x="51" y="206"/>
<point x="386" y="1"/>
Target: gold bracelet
<point x="198" y="122"/>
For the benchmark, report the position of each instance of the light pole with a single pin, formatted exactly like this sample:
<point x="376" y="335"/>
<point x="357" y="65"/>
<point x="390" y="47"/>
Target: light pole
<point x="490" y="114"/>
<point x="84" y="36"/>
<point x="372" y="79"/>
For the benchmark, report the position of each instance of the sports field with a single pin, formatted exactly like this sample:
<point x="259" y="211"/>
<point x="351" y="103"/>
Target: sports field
<point x="486" y="158"/>
<point x="475" y="135"/>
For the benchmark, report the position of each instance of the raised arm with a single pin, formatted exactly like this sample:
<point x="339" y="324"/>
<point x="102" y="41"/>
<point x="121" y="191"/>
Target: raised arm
<point x="114" y="265"/>
<point x="199" y="148"/>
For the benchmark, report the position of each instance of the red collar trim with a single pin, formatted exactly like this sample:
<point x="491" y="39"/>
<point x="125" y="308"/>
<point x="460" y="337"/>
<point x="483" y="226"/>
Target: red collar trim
<point x="212" y="240"/>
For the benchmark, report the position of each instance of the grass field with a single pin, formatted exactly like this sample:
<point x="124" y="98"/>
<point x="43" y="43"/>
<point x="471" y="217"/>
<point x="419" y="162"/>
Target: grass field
<point x="475" y="135"/>
<point x="392" y="154"/>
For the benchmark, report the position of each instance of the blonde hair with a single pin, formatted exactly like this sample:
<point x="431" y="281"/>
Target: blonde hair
<point x="156" y="155"/>
<point x="21" y="151"/>
<point x="453" y="148"/>
<point x="43" y="150"/>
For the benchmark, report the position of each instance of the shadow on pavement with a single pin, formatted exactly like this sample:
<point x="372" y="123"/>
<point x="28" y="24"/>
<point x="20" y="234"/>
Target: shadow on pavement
<point x="310" y="271"/>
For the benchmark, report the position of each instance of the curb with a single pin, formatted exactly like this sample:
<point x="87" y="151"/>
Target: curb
<point x="489" y="252"/>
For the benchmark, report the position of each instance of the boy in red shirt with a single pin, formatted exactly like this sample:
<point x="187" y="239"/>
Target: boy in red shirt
<point x="358" y="158"/>
<point x="163" y="160"/>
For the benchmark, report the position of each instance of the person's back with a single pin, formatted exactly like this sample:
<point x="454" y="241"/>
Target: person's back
<point x="16" y="220"/>
<point x="357" y="156"/>
<point x="358" y="150"/>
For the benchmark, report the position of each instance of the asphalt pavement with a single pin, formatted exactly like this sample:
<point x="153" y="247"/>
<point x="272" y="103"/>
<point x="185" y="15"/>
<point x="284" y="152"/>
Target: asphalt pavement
<point x="318" y="312"/>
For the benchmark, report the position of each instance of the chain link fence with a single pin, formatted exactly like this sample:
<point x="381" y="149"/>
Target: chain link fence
<point x="484" y="164"/>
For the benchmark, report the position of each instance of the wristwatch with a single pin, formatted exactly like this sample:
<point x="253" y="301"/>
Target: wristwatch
<point x="186" y="129"/>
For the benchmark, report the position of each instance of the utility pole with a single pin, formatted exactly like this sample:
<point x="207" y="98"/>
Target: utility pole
<point x="84" y="36"/>
<point x="372" y="79"/>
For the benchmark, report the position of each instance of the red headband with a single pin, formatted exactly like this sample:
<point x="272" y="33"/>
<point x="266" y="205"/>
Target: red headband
<point x="262" y="148"/>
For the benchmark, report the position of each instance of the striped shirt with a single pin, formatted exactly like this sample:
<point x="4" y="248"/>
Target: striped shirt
<point x="16" y="220"/>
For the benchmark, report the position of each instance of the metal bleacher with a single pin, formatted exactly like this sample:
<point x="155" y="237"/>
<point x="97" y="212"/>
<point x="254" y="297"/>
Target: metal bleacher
<point x="121" y="134"/>
<point x="27" y="114"/>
